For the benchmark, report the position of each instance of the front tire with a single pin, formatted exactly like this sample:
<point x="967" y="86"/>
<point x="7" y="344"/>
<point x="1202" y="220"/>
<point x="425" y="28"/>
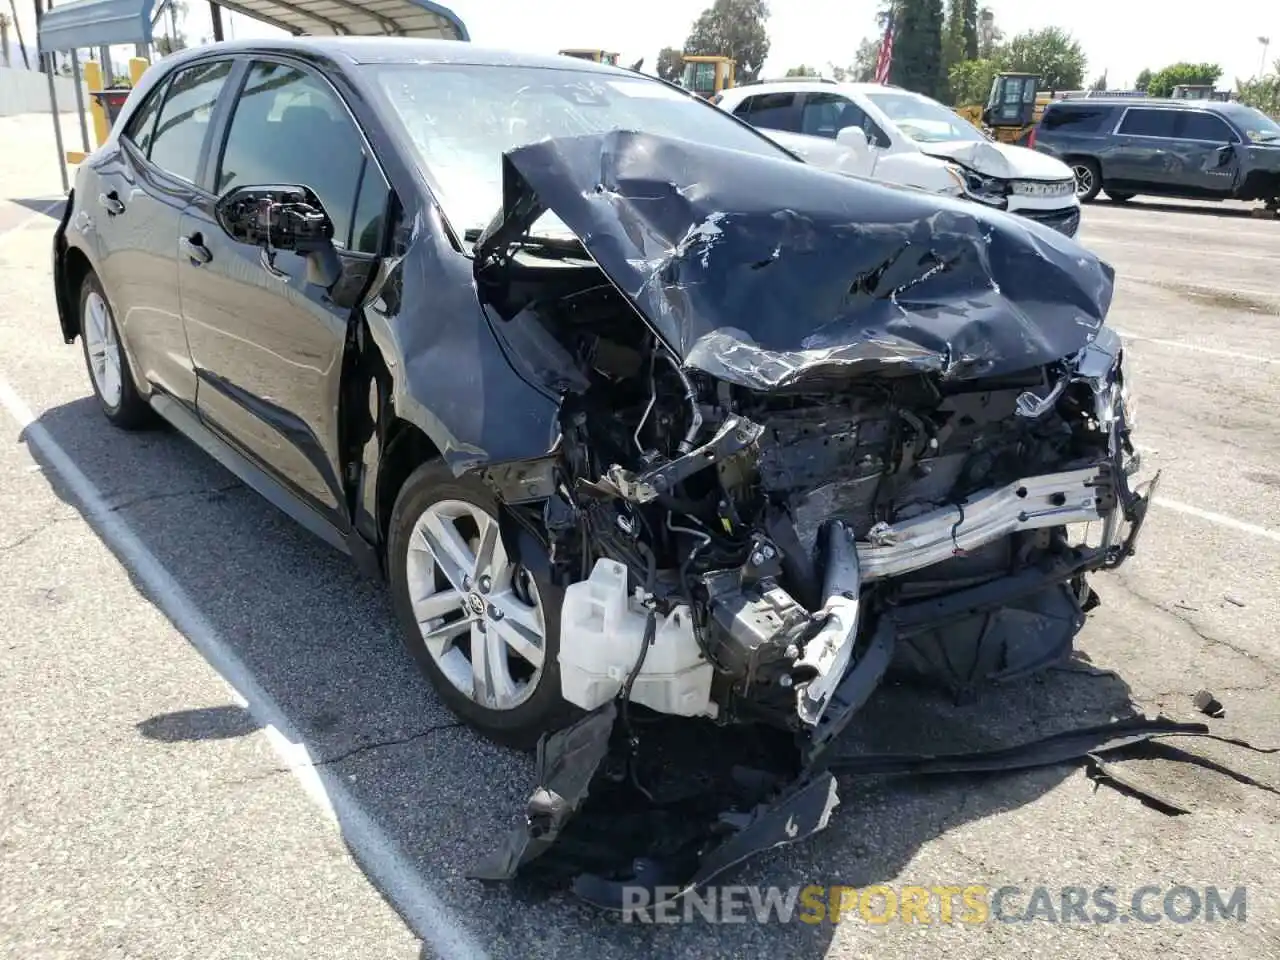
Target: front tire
<point x="1088" y="179"/>
<point x="457" y="594"/>
<point x="1116" y="197"/>
<point x="104" y="356"/>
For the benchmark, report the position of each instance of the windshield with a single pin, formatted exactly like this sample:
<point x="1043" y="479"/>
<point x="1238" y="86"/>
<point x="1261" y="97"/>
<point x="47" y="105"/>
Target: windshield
<point x="1257" y="126"/>
<point x="924" y="120"/>
<point x="462" y="118"/>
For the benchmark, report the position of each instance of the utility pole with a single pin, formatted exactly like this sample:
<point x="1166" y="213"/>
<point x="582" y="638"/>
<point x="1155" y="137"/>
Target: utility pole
<point x="1262" y="64"/>
<point x="215" y="14"/>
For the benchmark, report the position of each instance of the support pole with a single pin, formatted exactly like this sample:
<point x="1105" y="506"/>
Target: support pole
<point x="93" y="80"/>
<point x="76" y="78"/>
<point x="47" y="60"/>
<point x="215" y="14"/>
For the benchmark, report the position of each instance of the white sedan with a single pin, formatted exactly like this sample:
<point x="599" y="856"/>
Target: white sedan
<point x="890" y="134"/>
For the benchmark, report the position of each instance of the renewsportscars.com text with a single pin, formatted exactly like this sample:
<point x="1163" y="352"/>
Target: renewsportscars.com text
<point x="971" y="905"/>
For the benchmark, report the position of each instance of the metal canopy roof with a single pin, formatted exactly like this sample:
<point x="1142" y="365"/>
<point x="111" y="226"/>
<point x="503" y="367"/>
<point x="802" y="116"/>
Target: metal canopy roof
<point x="94" y="23"/>
<point x="361" y="18"/>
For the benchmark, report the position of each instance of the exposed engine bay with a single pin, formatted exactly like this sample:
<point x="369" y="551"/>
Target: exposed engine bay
<point x="756" y="527"/>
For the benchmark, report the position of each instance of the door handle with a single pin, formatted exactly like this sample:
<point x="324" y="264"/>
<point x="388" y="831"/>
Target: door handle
<point x="111" y="203"/>
<point x="193" y="246"/>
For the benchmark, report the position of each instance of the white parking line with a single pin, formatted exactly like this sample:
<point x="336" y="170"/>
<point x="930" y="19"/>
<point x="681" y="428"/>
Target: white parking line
<point x="1212" y="351"/>
<point x="376" y="852"/>
<point x="1218" y="518"/>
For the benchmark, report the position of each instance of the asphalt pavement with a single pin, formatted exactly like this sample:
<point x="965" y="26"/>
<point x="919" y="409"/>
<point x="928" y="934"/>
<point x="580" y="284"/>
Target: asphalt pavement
<point x="213" y="745"/>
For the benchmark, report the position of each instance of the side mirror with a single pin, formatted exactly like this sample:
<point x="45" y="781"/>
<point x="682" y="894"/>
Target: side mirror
<point x="853" y="137"/>
<point x="283" y="217"/>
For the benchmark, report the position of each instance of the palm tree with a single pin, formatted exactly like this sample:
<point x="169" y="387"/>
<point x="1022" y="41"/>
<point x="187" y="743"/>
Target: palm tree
<point x="5" y="22"/>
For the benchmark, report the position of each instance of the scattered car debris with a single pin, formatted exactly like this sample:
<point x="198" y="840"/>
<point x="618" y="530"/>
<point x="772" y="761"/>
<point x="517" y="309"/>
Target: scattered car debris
<point x="1209" y="705"/>
<point x="1133" y="784"/>
<point x="592" y="826"/>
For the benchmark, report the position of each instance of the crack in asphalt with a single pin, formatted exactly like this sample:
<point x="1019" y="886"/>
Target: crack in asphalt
<point x="171" y="495"/>
<point x="1272" y="669"/>
<point x="363" y="748"/>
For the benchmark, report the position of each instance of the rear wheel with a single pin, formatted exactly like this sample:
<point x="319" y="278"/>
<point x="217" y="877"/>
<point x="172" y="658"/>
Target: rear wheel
<point x="1088" y="179"/>
<point x="1117" y="197"/>
<point x="483" y="627"/>
<point x="104" y="356"/>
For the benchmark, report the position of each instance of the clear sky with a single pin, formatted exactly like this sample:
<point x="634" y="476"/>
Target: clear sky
<point x="1120" y="36"/>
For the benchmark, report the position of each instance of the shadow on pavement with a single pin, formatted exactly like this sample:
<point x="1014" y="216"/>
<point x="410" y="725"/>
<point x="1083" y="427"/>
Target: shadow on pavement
<point x="321" y="642"/>
<point x="1162" y="206"/>
<point x="51" y="207"/>
<point x="204" y="723"/>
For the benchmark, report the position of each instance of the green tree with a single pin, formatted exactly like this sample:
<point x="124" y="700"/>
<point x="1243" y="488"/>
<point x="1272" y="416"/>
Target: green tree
<point x="1262" y="92"/>
<point x="970" y="80"/>
<point x="1144" y="80"/>
<point x="733" y="28"/>
<point x="1161" y="84"/>
<point x="802" y="71"/>
<point x="670" y="63"/>
<point x="917" y="51"/>
<point x="969" y="29"/>
<point x="863" y="68"/>
<point x="1051" y="53"/>
<point x="1100" y="82"/>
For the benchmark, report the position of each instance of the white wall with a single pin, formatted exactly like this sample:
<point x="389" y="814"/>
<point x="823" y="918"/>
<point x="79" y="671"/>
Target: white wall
<point x="27" y="91"/>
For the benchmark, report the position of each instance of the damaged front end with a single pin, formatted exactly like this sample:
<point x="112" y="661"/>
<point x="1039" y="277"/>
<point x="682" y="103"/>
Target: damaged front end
<point x="854" y="432"/>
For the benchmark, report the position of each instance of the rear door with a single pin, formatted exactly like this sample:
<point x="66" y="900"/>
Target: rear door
<point x="1144" y="152"/>
<point x="267" y="344"/>
<point x="1208" y="151"/>
<point x="142" y="191"/>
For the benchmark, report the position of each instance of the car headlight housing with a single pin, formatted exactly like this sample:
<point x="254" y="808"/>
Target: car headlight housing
<point x="976" y="186"/>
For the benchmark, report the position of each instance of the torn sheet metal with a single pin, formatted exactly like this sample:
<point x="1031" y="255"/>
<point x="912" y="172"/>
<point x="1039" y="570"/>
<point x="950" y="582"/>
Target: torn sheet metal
<point x="767" y="272"/>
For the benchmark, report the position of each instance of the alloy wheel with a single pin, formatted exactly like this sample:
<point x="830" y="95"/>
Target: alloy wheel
<point x="479" y="613"/>
<point x="104" y="350"/>
<point x="1084" y="179"/>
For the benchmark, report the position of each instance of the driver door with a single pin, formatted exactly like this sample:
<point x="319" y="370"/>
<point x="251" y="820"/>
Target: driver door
<point x="267" y="345"/>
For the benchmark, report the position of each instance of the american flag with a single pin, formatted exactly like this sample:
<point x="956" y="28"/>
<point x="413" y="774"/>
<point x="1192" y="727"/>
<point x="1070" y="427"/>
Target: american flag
<point x="885" y="61"/>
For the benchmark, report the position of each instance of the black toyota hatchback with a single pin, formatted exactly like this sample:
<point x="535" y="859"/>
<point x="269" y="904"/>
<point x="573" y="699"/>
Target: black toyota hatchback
<point x="529" y="335"/>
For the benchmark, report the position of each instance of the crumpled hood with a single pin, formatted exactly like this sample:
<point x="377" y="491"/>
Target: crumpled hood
<point x="767" y="272"/>
<point x="1003" y="160"/>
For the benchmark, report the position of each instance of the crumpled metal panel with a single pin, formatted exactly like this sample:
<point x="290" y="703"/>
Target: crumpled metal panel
<point x="769" y="272"/>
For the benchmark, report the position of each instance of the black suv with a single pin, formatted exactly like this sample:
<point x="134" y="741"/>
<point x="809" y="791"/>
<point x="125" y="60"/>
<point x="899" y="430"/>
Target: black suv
<point x="1197" y="150"/>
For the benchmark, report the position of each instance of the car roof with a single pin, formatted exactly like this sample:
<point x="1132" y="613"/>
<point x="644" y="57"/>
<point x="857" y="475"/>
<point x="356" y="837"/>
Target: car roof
<point x="369" y="50"/>
<point x="801" y="85"/>
<point x="1156" y="102"/>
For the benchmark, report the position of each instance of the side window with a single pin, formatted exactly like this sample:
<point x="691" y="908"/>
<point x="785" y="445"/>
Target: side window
<point x="142" y="124"/>
<point x="184" y="119"/>
<point x="1205" y="126"/>
<point x="1075" y="119"/>
<point x="826" y="114"/>
<point x="368" y="224"/>
<point x="775" y="111"/>
<point x="290" y="128"/>
<point x="1149" y="123"/>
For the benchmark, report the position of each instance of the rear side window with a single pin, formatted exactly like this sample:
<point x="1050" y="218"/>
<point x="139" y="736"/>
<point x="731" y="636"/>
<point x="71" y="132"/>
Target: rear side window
<point x="1150" y="123"/>
<point x="775" y="111"/>
<point x="1205" y="126"/>
<point x="1076" y="119"/>
<point x="185" y="117"/>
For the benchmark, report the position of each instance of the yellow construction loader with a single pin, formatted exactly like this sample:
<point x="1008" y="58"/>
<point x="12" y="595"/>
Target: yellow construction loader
<point x="1013" y="108"/>
<point x="708" y="75"/>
